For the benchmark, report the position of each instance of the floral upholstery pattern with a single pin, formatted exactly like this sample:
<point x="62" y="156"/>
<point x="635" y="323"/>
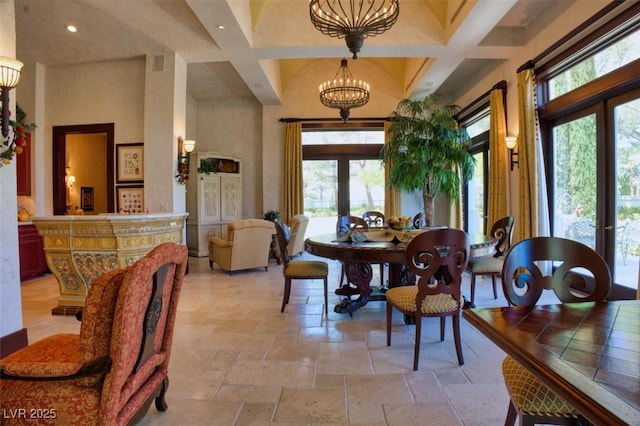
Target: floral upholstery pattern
<point x="113" y="327"/>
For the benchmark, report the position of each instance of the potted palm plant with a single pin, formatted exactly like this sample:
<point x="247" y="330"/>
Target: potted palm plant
<point x="428" y="151"/>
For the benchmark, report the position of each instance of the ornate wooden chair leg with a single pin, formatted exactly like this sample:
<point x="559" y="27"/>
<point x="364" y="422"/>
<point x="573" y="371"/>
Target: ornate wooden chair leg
<point x="511" y="415"/>
<point x="442" y="324"/>
<point x="161" y="402"/>
<point x="389" y="312"/>
<point x="416" y="350"/>
<point x="456" y="338"/>
<point x="287" y="293"/>
<point x="473" y="287"/>
<point x="495" y="292"/>
<point x="326" y="297"/>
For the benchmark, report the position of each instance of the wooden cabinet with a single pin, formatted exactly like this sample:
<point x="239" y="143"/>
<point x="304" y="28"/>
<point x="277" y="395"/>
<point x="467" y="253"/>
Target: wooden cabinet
<point x="213" y="200"/>
<point x="32" y="261"/>
<point x="23" y="169"/>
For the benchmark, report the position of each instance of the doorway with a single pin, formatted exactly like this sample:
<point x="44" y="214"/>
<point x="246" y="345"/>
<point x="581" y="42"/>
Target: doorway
<point x="60" y="134"/>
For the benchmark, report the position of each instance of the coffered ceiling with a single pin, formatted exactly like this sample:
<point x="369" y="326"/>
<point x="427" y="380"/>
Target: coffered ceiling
<point x="435" y="46"/>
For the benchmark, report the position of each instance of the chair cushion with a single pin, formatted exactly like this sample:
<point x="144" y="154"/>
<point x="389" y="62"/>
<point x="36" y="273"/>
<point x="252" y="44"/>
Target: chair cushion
<point x="530" y="396"/>
<point x="306" y="269"/>
<point x="485" y="265"/>
<point x="404" y="298"/>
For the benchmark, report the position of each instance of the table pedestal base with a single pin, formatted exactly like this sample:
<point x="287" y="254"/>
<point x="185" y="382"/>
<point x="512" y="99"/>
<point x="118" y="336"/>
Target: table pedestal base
<point x="359" y="274"/>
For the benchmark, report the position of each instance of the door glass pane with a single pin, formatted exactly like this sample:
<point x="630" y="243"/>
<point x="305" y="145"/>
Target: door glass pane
<point x="476" y="207"/>
<point x="575" y="178"/>
<point x="627" y="228"/>
<point x="366" y="186"/>
<point x="320" y="179"/>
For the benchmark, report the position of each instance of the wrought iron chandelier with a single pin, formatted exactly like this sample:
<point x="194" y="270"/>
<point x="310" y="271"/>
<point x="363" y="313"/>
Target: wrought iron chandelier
<point x="353" y="20"/>
<point x="344" y="92"/>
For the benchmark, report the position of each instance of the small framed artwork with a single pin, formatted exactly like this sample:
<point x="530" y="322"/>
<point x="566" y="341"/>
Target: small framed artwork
<point x="130" y="199"/>
<point x="130" y="163"/>
<point x="86" y="198"/>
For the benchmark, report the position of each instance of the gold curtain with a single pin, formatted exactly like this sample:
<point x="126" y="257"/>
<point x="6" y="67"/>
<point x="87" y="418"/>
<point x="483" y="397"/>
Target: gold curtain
<point x="392" y="200"/>
<point x="293" y="188"/>
<point x="456" y="218"/>
<point x="498" y="198"/>
<point x="533" y="217"/>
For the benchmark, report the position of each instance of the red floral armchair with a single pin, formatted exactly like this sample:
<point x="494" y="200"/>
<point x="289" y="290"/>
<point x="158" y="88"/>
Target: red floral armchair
<point x="113" y="370"/>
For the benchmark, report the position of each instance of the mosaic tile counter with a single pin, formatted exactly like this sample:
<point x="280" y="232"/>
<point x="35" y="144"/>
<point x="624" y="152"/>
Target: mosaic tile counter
<point x="78" y="249"/>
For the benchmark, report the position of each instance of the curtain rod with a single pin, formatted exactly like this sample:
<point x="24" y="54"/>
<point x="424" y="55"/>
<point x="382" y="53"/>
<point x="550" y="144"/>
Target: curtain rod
<point x="331" y="120"/>
<point x="585" y="25"/>
<point x="501" y="85"/>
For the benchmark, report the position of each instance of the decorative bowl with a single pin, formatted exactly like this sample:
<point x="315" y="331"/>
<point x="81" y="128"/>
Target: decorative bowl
<point x="399" y="223"/>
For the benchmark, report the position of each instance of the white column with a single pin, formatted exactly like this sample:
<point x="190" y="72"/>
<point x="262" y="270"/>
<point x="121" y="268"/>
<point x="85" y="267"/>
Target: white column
<point x="165" y="102"/>
<point x="10" y="299"/>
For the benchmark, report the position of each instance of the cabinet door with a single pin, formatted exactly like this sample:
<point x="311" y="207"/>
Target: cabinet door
<point x="231" y="201"/>
<point x="209" y="199"/>
<point x="23" y="169"/>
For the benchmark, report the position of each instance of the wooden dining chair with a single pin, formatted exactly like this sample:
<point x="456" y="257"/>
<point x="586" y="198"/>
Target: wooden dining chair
<point x="374" y="219"/>
<point x="491" y="264"/>
<point x="439" y="258"/>
<point x="575" y="273"/>
<point x="299" y="269"/>
<point x="418" y="221"/>
<point x="345" y="224"/>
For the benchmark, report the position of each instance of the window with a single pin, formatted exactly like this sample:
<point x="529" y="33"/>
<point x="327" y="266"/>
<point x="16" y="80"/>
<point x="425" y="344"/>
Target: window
<point x="342" y="174"/>
<point x="589" y="115"/>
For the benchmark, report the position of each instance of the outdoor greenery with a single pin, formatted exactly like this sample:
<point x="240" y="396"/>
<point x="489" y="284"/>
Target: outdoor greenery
<point x="428" y="152"/>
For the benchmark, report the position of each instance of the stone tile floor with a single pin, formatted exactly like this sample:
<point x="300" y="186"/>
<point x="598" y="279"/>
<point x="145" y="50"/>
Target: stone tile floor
<point x="237" y="360"/>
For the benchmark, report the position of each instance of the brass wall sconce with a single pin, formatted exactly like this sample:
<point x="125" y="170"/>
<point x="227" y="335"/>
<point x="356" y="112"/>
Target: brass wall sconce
<point x="9" y="78"/>
<point x="510" y="141"/>
<point x="185" y="147"/>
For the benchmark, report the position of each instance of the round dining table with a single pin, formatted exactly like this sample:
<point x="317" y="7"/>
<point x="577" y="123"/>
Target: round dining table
<point x="358" y="250"/>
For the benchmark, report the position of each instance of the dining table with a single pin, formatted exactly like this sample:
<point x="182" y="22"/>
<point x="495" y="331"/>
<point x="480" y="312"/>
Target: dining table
<point x="586" y="352"/>
<point x="358" y="250"/>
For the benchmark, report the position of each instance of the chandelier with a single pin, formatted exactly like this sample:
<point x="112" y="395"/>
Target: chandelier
<point x="343" y="92"/>
<point x="353" y="20"/>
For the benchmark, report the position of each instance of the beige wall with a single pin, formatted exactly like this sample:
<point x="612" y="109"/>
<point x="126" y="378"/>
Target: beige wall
<point x="86" y="156"/>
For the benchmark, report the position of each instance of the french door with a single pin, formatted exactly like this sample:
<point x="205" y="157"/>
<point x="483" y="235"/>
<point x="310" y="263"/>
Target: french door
<point x="595" y="182"/>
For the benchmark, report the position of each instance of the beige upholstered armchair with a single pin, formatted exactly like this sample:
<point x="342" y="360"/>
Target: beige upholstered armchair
<point x="246" y="246"/>
<point x="298" y="225"/>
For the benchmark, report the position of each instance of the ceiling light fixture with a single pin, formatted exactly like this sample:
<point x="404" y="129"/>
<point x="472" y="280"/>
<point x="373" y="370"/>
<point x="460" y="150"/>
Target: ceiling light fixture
<point x="344" y="92"/>
<point x="72" y="28"/>
<point x="353" y="20"/>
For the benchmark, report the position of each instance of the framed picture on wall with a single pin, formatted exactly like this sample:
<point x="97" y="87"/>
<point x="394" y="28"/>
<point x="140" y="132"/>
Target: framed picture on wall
<point x="86" y="198"/>
<point x="130" y="163"/>
<point x="130" y="199"/>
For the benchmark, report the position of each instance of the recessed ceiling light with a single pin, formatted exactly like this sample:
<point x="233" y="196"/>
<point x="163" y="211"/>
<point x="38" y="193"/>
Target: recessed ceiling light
<point x="221" y="27"/>
<point x="71" y="28"/>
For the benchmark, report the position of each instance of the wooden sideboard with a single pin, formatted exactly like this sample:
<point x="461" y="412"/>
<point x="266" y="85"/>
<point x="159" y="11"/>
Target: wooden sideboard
<point x="214" y="199"/>
<point x="32" y="261"/>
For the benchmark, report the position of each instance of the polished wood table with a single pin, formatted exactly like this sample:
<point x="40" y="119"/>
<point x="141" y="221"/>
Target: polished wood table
<point x="381" y="246"/>
<point x="588" y="353"/>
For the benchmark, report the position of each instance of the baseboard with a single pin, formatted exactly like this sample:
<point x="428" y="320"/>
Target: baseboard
<point x="13" y="342"/>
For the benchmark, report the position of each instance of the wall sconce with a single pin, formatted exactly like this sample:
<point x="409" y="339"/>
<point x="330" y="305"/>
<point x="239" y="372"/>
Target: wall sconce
<point x="185" y="147"/>
<point x="510" y="141"/>
<point x="71" y="181"/>
<point x="9" y="78"/>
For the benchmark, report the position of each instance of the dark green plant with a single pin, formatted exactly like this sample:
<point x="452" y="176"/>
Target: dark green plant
<point x="207" y="167"/>
<point x="272" y="215"/>
<point x="428" y="151"/>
